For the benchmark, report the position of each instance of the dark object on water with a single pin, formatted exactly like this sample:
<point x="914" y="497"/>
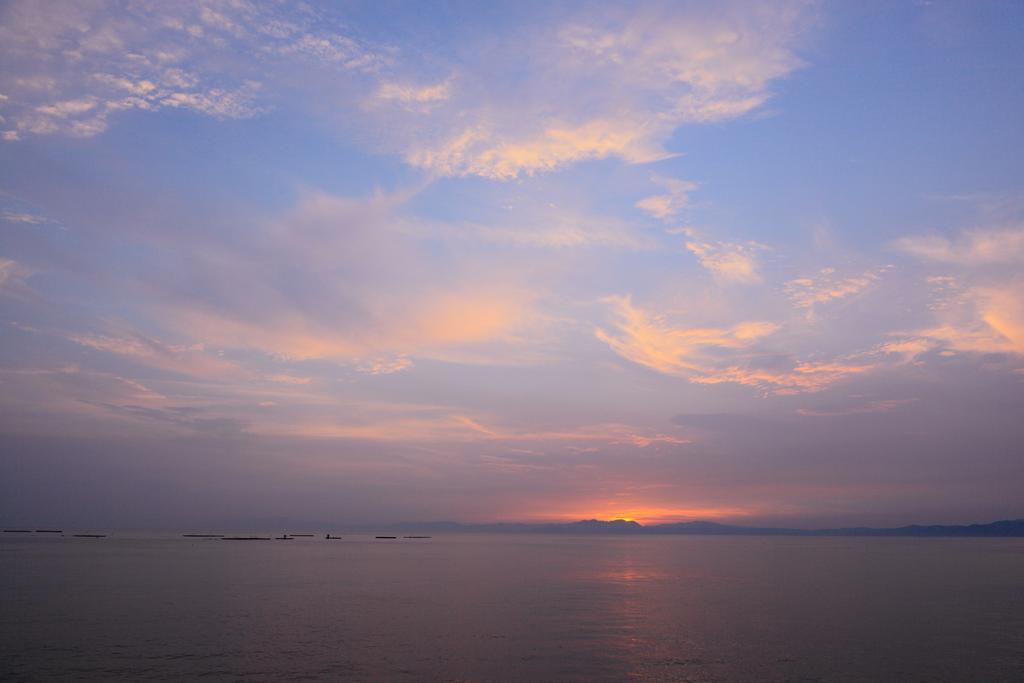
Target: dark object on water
<point x="245" y="538"/>
<point x="297" y="535"/>
<point x="286" y="537"/>
<point x="90" y="535"/>
<point x="332" y="538"/>
<point x="417" y="536"/>
<point x="387" y="537"/>
<point x="203" y="535"/>
<point x="17" y="531"/>
<point x="49" y="531"/>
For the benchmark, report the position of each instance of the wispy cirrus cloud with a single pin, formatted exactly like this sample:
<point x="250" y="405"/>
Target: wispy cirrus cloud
<point x="449" y="426"/>
<point x="973" y="247"/>
<point x="72" y="70"/>
<point x="68" y="399"/>
<point x="483" y="152"/>
<point x="689" y="351"/>
<point x="192" y="360"/>
<point x="660" y="67"/>
<point x="981" y="309"/>
<point x="414" y="97"/>
<point x="12" y="278"/>
<point x="871" y="407"/>
<point x="669" y="205"/>
<point x="24" y="218"/>
<point x="826" y="286"/>
<point x="800" y="377"/>
<point x="729" y="262"/>
<point x="384" y="365"/>
<point x="284" y="378"/>
<point x="70" y="67"/>
<point x="553" y="227"/>
<point x="369" y="288"/>
<point x="987" y="319"/>
<point x="737" y="354"/>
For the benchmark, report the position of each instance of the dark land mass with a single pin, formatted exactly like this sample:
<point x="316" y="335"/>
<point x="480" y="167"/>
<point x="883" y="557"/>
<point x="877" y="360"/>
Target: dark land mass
<point x="1004" y="528"/>
<point x="1001" y="529"/>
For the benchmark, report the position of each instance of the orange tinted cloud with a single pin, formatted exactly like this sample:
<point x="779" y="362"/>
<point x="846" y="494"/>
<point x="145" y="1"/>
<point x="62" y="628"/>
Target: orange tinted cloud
<point x="365" y="293"/>
<point x="983" y="319"/>
<point x="731" y="262"/>
<point x="476" y="152"/>
<point x="431" y="322"/>
<point x="709" y="355"/>
<point x="624" y="81"/>
<point x="806" y="377"/>
<point x="667" y="206"/>
<point x="974" y="247"/>
<point x="826" y="286"/>
<point x="647" y="340"/>
<point x="880" y="406"/>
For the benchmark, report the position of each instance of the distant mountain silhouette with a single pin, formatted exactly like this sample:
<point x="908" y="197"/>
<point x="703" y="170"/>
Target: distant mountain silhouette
<point x="1004" y="528"/>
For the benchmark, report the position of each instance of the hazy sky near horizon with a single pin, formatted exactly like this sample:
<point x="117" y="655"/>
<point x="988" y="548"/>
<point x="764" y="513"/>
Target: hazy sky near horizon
<point x="749" y="262"/>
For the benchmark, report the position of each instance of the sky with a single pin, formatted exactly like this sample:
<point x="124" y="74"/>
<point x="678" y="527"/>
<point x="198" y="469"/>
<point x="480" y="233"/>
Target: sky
<point x="756" y="263"/>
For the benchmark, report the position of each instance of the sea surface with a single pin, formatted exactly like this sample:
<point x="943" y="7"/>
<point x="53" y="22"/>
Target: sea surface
<point x="509" y="607"/>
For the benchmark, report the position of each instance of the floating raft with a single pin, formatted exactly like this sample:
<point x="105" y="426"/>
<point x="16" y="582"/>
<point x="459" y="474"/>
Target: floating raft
<point x="90" y="535"/>
<point x="283" y="538"/>
<point x="387" y="536"/>
<point x="245" y="538"/>
<point x="49" y="531"/>
<point x="417" y="536"/>
<point x="203" y="535"/>
<point x="300" y="535"/>
<point x="17" y="531"/>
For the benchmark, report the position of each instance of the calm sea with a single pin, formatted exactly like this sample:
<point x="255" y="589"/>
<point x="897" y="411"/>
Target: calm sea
<point x="512" y="608"/>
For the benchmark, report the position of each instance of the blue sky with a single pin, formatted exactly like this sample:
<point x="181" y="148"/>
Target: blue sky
<point x="747" y="262"/>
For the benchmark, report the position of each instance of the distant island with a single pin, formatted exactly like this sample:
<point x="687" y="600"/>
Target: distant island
<point x="1004" y="528"/>
<point x="1008" y="528"/>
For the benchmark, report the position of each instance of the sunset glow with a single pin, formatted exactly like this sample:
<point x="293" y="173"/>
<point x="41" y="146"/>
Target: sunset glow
<point x="524" y="262"/>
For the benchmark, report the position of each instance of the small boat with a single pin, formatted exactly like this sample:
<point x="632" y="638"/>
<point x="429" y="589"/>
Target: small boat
<point x="49" y="531"/>
<point x="301" y="535"/>
<point x="245" y="538"/>
<point x="90" y="535"/>
<point x="332" y="538"/>
<point x="286" y="537"/>
<point x="17" y="531"/>
<point x="203" y="535"/>
<point x="417" y="536"/>
<point x="387" y="536"/>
